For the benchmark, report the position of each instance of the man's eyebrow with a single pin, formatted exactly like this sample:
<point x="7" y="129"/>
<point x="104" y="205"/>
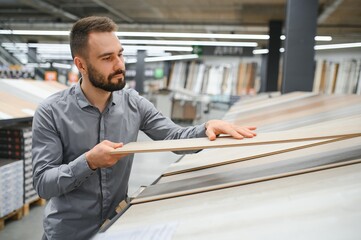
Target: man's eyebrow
<point x="105" y="54"/>
<point x="109" y="53"/>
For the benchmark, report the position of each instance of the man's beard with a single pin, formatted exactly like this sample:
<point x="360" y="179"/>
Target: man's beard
<point x="99" y="81"/>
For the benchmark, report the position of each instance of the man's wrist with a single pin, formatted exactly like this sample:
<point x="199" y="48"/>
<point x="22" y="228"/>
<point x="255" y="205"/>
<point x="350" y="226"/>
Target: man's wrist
<point x="206" y="124"/>
<point x="90" y="164"/>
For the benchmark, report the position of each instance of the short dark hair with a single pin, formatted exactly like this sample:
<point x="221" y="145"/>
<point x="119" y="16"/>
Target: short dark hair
<point x="79" y="34"/>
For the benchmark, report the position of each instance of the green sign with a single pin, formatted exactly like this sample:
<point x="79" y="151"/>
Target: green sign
<point x="197" y="50"/>
<point x="158" y="73"/>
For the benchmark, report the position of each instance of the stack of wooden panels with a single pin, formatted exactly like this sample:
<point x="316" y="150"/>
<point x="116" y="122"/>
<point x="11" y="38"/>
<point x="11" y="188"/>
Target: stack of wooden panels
<point x="299" y="177"/>
<point x="11" y="186"/>
<point x="18" y="102"/>
<point x="15" y="143"/>
<point x="19" y="98"/>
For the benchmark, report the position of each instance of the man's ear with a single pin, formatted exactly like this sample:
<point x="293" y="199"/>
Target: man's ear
<point x="80" y="64"/>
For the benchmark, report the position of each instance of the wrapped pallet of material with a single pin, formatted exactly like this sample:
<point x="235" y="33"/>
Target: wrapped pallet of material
<point x="11" y="186"/>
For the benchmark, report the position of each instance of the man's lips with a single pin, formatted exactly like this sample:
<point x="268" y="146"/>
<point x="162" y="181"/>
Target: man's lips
<point x="118" y="75"/>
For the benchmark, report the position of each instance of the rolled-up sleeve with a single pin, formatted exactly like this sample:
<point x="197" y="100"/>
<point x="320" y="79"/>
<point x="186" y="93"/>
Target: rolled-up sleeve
<point x="51" y="177"/>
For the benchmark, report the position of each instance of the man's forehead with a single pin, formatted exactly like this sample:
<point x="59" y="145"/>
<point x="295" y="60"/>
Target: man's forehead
<point x="102" y="36"/>
<point x="104" y="42"/>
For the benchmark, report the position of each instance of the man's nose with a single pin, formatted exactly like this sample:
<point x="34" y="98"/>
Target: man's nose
<point x="119" y="63"/>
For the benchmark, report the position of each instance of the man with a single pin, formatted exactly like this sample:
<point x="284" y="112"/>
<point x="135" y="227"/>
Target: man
<point x="74" y="131"/>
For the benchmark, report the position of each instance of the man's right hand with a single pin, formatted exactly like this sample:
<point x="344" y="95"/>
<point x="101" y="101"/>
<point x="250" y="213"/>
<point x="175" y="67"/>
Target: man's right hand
<point x="99" y="156"/>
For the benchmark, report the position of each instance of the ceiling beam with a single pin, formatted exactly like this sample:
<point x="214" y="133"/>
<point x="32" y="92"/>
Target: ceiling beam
<point x="113" y="11"/>
<point x="328" y="10"/>
<point x="49" y="9"/>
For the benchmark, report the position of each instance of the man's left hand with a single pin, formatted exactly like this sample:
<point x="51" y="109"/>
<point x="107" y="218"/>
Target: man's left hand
<point x="216" y="127"/>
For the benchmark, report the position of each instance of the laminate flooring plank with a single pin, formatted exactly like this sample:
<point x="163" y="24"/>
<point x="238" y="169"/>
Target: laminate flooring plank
<point x="324" y="132"/>
<point x="309" y="152"/>
<point x="19" y="93"/>
<point x="210" y="158"/>
<point x="322" y="117"/>
<point x="273" y="102"/>
<point x="50" y="86"/>
<point x="339" y="123"/>
<point x="318" y="205"/>
<point x="249" y="105"/>
<point x="246" y="175"/>
<point x="15" y="107"/>
<point x="29" y="87"/>
<point x="259" y="99"/>
<point x="274" y="116"/>
<point x="255" y="112"/>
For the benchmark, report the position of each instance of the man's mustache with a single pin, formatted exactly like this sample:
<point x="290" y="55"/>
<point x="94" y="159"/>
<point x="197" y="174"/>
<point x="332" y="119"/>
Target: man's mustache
<point x="120" y="71"/>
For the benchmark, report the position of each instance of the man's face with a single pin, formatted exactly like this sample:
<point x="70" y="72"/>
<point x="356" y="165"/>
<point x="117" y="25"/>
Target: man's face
<point x="105" y="63"/>
<point x="97" y="79"/>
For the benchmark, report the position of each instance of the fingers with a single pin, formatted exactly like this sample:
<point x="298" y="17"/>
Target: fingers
<point x="216" y="127"/>
<point x="236" y="134"/>
<point x="99" y="156"/>
<point x="112" y="144"/>
<point x="211" y="134"/>
<point x="246" y="131"/>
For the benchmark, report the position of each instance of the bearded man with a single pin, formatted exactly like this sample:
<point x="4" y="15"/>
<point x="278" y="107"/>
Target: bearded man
<point x="75" y="130"/>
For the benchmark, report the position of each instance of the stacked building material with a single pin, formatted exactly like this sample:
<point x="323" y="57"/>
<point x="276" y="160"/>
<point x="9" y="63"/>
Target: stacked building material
<point x="15" y="143"/>
<point x="11" y="186"/>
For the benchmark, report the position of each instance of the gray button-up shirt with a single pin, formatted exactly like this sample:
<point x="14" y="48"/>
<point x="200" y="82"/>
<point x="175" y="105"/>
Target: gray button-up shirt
<point x="65" y="126"/>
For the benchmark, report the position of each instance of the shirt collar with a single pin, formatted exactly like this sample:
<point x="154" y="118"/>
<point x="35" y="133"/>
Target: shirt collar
<point x="83" y="101"/>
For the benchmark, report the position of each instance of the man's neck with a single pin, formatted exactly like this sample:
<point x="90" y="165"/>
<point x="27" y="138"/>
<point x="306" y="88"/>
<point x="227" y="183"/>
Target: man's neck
<point x="96" y="96"/>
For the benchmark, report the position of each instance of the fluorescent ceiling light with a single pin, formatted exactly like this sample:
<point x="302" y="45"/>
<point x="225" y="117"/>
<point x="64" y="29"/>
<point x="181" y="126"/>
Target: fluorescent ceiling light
<point x="131" y="60"/>
<point x="323" y="38"/>
<point x="45" y="65"/>
<point x="317" y="38"/>
<point x="149" y="53"/>
<point x="164" y="48"/>
<point x="189" y="43"/>
<point x="171" y="58"/>
<point x="317" y="47"/>
<point x="35" y="32"/>
<point x="166" y="58"/>
<point x="55" y="57"/>
<point x="260" y="51"/>
<point x="61" y="65"/>
<point x="159" y="34"/>
<point x="66" y="48"/>
<point x="338" y="46"/>
<point x="35" y="65"/>
<point x="193" y="35"/>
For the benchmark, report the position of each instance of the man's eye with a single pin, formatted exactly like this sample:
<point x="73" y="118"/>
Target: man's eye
<point x="106" y="58"/>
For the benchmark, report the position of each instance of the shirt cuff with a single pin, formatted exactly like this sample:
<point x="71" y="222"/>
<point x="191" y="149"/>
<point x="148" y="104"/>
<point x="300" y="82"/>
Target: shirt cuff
<point x="201" y="130"/>
<point x="81" y="169"/>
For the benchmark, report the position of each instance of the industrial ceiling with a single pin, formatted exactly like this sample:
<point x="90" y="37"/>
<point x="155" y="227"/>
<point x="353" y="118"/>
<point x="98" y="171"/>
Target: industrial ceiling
<point x="339" y="19"/>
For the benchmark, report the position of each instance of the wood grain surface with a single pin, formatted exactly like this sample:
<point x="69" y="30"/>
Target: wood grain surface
<point x="218" y="157"/>
<point x="318" y="205"/>
<point x="15" y="107"/>
<point x="265" y="168"/>
<point x="266" y="103"/>
<point x="298" y="109"/>
<point x="308" y="152"/>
